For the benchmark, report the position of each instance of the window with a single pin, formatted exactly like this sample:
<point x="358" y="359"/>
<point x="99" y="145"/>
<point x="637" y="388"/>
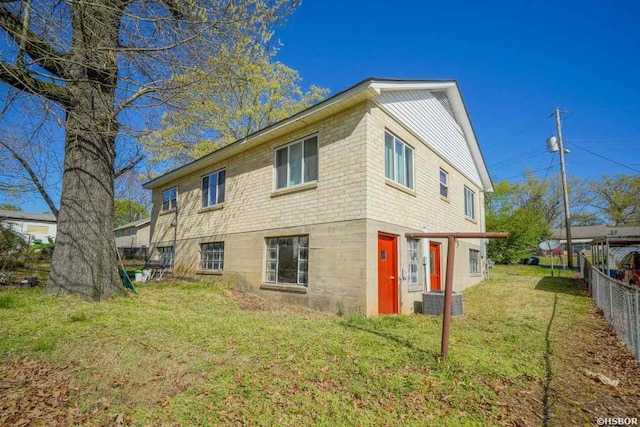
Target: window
<point x="297" y="163"/>
<point x="413" y="249"/>
<point x="165" y="253"/>
<point x="474" y="261"/>
<point x="288" y="260"/>
<point x="398" y="161"/>
<point x="469" y="203"/>
<point x="213" y="188"/>
<point x="212" y="256"/>
<point x="444" y="184"/>
<point x="170" y="198"/>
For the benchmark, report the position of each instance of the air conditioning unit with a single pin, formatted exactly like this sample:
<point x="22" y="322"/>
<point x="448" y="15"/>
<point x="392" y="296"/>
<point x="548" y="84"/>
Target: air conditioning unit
<point x="433" y="303"/>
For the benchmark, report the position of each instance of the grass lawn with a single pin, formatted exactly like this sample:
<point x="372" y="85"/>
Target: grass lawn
<point x="199" y="354"/>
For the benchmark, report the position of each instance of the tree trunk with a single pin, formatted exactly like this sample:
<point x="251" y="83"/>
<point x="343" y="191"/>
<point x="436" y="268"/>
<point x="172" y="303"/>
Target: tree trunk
<point x="84" y="259"/>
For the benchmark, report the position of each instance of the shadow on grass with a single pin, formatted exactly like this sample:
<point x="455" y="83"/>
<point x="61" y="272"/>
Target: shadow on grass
<point x="562" y="285"/>
<point x="397" y="340"/>
<point x="547" y="363"/>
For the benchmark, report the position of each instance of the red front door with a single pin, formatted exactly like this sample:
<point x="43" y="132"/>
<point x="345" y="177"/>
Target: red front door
<point x="434" y="263"/>
<point x="387" y="274"/>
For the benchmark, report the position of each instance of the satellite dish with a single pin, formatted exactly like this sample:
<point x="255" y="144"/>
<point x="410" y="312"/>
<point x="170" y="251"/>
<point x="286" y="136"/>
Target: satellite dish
<point x="549" y="245"/>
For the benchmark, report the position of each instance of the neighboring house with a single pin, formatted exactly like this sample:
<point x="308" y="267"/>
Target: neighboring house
<point x="313" y="210"/>
<point x="31" y="226"/>
<point x="132" y="239"/>
<point x="582" y="236"/>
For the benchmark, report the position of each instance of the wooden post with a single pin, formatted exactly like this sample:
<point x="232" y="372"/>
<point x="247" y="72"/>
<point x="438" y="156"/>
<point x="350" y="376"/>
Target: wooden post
<point x="448" y="287"/>
<point x="448" y="295"/>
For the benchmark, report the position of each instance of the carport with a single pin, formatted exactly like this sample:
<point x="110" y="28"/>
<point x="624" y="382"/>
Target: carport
<point x="601" y="250"/>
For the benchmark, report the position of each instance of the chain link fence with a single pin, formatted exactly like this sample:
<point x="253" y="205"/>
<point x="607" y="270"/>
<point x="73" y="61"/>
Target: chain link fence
<point x="619" y="302"/>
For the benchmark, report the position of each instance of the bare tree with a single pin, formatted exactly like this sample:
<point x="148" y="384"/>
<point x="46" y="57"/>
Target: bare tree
<point x="96" y="60"/>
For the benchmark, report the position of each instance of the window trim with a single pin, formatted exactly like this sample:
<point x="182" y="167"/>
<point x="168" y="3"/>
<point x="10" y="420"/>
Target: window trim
<point x="274" y="284"/>
<point x="444" y="185"/>
<point x="405" y="145"/>
<point x="477" y="264"/>
<point x="467" y="190"/>
<point x="212" y="261"/>
<point x="217" y="202"/>
<point x="417" y="251"/>
<point x="162" y="209"/>
<point x="161" y="253"/>
<point x="287" y="146"/>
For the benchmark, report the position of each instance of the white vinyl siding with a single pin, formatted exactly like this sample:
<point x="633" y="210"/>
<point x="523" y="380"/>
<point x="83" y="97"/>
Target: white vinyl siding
<point x="212" y="256"/>
<point x="287" y="260"/>
<point x="213" y="188"/>
<point x="170" y="198"/>
<point x="430" y="118"/>
<point x="398" y="160"/>
<point x="297" y="163"/>
<point x="469" y="203"/>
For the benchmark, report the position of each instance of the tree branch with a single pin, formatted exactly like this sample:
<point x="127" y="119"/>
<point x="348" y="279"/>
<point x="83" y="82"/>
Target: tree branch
<point x="42" y="53"/>
<point x="33" y="176"/>
<point x="21" y="79"/>
<point x="132" y="164"/>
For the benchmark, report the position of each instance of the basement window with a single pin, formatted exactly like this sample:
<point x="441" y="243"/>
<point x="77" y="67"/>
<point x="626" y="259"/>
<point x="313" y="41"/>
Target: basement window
<point x="287" y="260"/>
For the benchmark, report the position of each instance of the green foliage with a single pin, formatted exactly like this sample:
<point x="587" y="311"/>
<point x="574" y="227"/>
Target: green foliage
<point x="11" y="248"/>
<point x="126" y="211"/>
<point x="618" y="199"/>
<point x="509" y="209"/>
<point x="240" y="91"/>
<point x="9" y="207"/>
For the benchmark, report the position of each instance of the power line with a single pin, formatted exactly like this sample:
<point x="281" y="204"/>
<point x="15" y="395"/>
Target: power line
<point x="521" y="158"/>
<point x="553" y="156"/>
<point x="507" y="139"/>
<point x="605" y="158"/>
<point x="521" y="174"/>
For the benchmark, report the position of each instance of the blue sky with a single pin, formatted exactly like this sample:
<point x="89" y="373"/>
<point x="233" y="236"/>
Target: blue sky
<point x="514" y="61"/>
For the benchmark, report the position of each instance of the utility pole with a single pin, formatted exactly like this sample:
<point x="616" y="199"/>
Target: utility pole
<point x="565" y="193"/>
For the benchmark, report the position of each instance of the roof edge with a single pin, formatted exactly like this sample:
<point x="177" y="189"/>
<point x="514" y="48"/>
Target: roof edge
<point x="202" y="161"/>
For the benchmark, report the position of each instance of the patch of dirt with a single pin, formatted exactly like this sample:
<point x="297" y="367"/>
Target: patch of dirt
<point x="255" y="303"/>
<point x="575" y="394"/>
<point x="572" y="393"/>
<point x="252" y="302"/>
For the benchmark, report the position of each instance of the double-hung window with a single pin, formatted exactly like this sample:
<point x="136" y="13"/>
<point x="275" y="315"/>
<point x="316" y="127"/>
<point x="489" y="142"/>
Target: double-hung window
<point x="212" y="256"/>
<point x="444" y="184"/>
<point x="297" y="163"/>
<point x="474" y="261"/>
<point x="469" y="203"/>
<point x="213" y="188"/>
<point x="288" y="260"/>
<point x="413" y="246"/>
<point x="170" y="198"/>
<point x="398" y="160"/>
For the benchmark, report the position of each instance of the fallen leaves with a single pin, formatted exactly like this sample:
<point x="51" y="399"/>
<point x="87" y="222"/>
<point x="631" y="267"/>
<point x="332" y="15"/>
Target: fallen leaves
<point x="34" y="393"/>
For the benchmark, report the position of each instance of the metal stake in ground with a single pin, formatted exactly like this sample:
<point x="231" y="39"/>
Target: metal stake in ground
<point x="448" y="286"/>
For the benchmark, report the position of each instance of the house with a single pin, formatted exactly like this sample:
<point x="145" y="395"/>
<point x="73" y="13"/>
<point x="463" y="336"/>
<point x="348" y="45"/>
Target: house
<point x="583" y="236"/>
<point x="132" y="239"/>
<point x="314" y="209"/>
<point x="32" y="227"/>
